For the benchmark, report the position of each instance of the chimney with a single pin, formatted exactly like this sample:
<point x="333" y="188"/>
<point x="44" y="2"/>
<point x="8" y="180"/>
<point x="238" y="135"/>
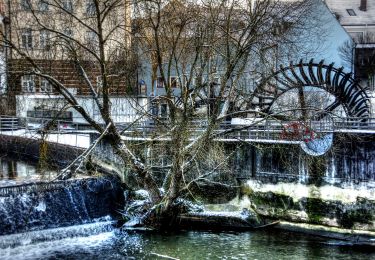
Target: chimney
<point x="363" y="6"/>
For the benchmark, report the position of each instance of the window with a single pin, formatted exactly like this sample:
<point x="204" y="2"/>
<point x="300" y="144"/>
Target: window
<point x="28" y="83"/>
<point x="160" y="82"/>
<point x="2" y="87"/>
<point x="216" y="80"/>
<point x="26" y="5"/>
<point x="44" y="39"/>
<point x="351" y="12"/>
<point x="45" y="86"/>
<point x="357" y="36"/>
<point x="174" y="82"/>
<point x="67" y="5"/>
<point x="90" y="8"/>
<point x="27" y="38"/>
<point x="99" y="84"/>
<point x="163" y="110"/>
<point x="142" y="87"/>
<point x="92" y="40"/>
<point x="68" y="32"/>
<point x="43" y="5"/>
<point x="65" y="42"/>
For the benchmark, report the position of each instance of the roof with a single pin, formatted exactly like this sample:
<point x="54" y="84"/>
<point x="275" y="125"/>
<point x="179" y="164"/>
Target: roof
<point x="366" y="46"/>
<point x="340" y="7"/>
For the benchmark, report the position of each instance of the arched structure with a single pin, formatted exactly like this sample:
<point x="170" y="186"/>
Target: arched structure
<point x="341" y="85"/>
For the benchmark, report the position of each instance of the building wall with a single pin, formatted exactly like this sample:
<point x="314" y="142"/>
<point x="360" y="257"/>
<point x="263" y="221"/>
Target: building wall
<point x="360" y="25"/>
<point x="51" y="52"/>
<point x="67" y="73"/>
<point x="123" y="109"/>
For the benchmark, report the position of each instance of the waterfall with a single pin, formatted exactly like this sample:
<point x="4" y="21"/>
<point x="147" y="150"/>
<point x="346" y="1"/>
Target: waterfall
<point x="48" y="205"/>
<point x="43" y="244"/>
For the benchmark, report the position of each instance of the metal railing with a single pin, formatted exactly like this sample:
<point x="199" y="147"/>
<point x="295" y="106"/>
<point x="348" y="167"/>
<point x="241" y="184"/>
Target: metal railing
<point x="261" y="129"/>
<point x="55" y="131"/>
<point x="8" y="123"/>
<point x="267" y="129"/>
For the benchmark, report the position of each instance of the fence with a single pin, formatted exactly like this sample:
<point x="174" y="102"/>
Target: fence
<point x="265" y="130"/>
<point x="70" y="133"/>
<point x="59" y="131"/>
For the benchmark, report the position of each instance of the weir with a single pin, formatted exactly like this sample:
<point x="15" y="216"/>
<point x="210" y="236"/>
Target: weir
<point x="55" y="204"/>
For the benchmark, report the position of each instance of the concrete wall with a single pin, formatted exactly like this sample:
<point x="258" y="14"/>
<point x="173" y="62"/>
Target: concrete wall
<point x="335" y="190"/>
<point x="123" y="109"/>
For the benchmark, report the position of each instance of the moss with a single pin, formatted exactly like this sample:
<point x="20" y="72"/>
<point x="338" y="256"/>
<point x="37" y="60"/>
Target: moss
<point x="315" y="208"/>
<point x="246" y="190"/>
<point x="272" y="200"/>
<point x="356" y="215"/>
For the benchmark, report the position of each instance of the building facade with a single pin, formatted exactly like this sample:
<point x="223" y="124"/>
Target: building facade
<point x="60" y="38"/>
<point x="358" y="19"/>
<point x="318" y="36"/>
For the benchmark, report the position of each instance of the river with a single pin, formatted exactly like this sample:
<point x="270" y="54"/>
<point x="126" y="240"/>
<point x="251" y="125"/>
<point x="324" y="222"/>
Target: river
<point x="101" y="240"/>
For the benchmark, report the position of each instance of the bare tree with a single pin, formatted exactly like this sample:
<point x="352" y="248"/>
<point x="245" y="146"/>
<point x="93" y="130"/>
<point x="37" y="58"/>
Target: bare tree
<point x="199" y="53"/>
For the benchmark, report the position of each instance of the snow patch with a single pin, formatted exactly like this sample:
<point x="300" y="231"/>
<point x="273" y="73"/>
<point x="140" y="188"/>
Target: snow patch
<point x="41" y="206"/>
<point x="347" y="193"/>
<point x="141" y="194"/>
<point x="25" y="199"/>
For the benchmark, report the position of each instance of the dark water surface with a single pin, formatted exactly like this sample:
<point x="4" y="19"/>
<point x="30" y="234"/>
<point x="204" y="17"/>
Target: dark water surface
<point x="102" y="241"/>
<point x="14" y="172"/>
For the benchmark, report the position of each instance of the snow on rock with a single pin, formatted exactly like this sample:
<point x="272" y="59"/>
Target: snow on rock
<point x="41" y="206"/>
<point x="141" y="195"/>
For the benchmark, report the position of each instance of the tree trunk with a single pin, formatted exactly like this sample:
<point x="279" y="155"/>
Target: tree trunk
<point x="142" y="175"/>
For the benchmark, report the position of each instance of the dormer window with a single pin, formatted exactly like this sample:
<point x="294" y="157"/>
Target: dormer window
<point x="67" y="5"/>
<point x="90" y="8"/>
<point x="351" y="12"/>
<point x="43" y="5"/>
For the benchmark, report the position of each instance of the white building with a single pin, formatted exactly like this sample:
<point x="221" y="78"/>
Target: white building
<point x="357" y="17"/>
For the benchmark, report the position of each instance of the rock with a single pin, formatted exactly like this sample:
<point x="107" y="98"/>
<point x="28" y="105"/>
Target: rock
<point x="141" y="195"/>
<point x="211" y="220"/>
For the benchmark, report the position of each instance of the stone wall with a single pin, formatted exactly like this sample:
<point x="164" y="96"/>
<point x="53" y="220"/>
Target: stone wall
<point x="335" y="190"/>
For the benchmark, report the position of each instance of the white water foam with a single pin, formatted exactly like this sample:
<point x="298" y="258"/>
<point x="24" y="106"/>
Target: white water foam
<point x="45" y="243"/>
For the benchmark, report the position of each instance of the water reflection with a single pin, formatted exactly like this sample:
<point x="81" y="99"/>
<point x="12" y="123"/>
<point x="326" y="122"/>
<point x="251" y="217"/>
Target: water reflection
<point x="14" y="172"/>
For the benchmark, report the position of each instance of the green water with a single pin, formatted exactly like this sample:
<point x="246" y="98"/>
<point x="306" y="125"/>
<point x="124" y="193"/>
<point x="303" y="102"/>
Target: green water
<point x="97" y="242"/>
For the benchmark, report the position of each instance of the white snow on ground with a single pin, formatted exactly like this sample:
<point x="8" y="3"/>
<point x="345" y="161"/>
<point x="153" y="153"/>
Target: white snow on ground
<point x="220" y="214"/>
<point x="81" y="140"/>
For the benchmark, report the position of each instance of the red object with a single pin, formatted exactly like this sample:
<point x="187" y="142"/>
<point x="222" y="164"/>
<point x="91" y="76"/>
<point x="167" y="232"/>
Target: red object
<point x="297" y="131"/>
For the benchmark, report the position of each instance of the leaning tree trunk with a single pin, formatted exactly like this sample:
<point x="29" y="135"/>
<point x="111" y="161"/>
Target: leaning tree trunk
<point x="142" y="175"/>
